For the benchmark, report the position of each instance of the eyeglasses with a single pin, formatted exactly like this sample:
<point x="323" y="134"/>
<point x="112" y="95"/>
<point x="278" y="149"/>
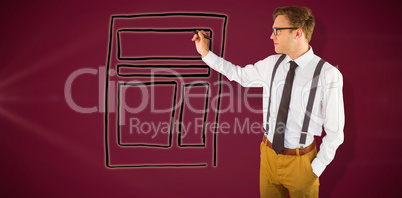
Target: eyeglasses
<point x="285" y="28"/>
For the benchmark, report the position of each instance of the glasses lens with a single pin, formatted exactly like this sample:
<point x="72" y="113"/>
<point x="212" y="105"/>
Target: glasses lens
<point x="275" y="31"/>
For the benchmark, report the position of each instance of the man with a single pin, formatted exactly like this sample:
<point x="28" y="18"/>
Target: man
<point x="304" y="93"/>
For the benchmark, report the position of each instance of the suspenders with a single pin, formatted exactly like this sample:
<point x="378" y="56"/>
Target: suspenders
<point x="311" y="97"/>
<point x="270" y="88"/>
<point x="310" y="102"/>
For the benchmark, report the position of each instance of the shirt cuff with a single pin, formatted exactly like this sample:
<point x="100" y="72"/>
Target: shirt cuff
<point x="318" y="167"/>
<point x="210" y="58"/>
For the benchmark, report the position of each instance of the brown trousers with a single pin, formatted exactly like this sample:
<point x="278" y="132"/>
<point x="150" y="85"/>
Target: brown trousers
<point x="283" y="174"/>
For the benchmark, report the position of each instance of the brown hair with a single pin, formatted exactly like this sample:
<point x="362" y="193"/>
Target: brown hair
<point x="299" y="17"/>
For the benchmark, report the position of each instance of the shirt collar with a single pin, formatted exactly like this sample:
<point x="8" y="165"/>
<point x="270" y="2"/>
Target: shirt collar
<point x="304" y="59"/>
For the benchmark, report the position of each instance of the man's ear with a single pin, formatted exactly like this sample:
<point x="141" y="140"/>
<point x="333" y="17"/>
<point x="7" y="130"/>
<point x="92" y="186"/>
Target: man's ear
<point x="299" y="33"/>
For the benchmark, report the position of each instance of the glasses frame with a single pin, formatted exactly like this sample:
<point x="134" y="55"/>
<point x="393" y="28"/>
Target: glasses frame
<point x="275" y="30"/>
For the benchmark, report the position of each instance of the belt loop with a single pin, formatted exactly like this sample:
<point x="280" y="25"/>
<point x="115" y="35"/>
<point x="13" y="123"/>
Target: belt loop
<point x="297" y="151"/>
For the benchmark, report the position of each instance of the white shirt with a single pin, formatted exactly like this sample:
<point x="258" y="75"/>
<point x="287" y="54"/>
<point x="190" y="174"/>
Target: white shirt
<point x="328" y="110"/>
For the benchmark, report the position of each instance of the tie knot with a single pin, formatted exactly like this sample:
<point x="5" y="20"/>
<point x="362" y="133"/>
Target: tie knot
<point x="293" y="65"/>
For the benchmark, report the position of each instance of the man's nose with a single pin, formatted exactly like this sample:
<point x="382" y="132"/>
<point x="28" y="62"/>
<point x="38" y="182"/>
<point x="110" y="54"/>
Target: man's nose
<point x="272" y="36"/>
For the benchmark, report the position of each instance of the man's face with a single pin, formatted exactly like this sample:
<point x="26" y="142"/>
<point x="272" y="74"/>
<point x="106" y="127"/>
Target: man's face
<point x="284" y="40"/>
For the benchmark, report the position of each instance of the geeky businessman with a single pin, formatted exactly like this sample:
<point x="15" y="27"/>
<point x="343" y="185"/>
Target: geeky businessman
<point x="302" y="94"/>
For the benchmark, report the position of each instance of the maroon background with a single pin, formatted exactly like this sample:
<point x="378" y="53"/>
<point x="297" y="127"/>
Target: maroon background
<point x="49" y="150"/>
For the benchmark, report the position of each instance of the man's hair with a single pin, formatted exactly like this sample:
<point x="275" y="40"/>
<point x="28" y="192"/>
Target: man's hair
<point x="299" y="17"/>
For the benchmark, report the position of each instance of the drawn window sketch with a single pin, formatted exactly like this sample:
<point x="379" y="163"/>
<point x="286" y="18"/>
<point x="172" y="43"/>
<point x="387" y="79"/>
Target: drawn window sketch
<point x="162" y="102"/>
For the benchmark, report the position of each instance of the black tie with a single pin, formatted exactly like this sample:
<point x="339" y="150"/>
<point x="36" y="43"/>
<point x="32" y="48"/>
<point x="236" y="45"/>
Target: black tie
<point x="279" y="136"/>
